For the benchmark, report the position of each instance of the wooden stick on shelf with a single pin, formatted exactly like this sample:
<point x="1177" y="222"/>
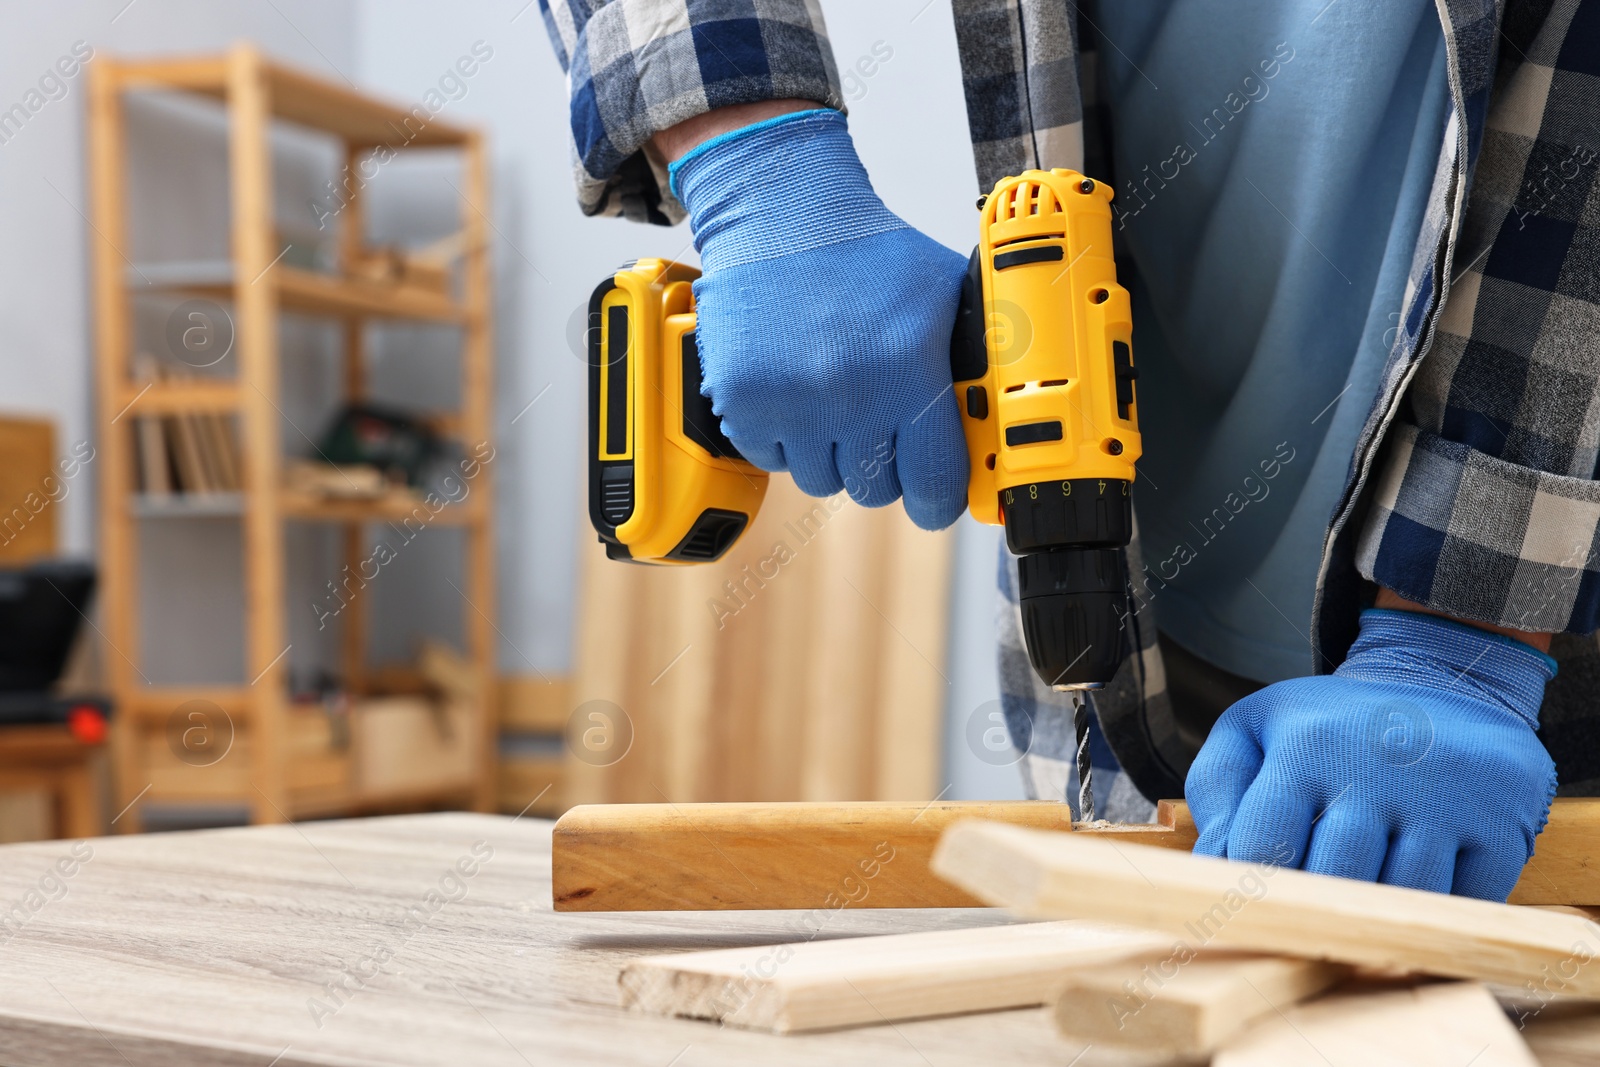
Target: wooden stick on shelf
<point x="822" y="984"/>
<point x="1254" y="907"/>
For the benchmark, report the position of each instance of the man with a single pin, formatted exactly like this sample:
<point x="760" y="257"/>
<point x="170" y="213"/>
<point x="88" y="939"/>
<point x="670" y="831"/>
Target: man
<point x="1363" y="243"/>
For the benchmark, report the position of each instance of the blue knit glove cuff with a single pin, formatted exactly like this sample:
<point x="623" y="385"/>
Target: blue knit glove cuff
<point x="1410" y="647"/>
<point x="778" y="188"/>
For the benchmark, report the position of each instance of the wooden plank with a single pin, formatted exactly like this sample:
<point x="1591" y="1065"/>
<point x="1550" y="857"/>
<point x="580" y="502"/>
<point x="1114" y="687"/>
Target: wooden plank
<point x="397" y="505"/>
<point x="40" y="745"/>
<point x="622" y="854"/>
<point x="412" y="743"/>
<point x="798" y="706"/>
<point x="1256" y="907"/>
<point x="1565" y="868"/>
<point x="353" y="627"/>
<point x="641" y="857"/>
<point x="1559" y="1033"/>
<point x="27" y="482"/>
<point x="256" y="311"/>
<point x="786" y="634"/>
<point x="823" y="985"/>
<point x="606" y="630"/>
<point x="683" y="688"/>
<point x="171" y="395"/>
<point x="207" y="74"/>
<point x="113" y="326"/>
<point x="309" y="100"/>
<point x="533" y="704"/>
<point x="913" y="682"/>
<point x="531" y="785"/>
<point x="841" y="685"/>
<point x="477" y="428"/>
<point x="155" y="704"/>
<point x="1451" y="1024"/>
<point x="1183" y="1001"/>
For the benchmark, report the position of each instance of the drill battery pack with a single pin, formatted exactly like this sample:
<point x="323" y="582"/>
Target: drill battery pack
<point x="665" y="485"/>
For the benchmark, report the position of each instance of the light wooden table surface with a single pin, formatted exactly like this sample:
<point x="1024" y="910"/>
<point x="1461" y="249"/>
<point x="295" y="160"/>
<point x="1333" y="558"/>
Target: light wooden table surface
<point x="219" y="947"/>
<point x="216" y="947"/>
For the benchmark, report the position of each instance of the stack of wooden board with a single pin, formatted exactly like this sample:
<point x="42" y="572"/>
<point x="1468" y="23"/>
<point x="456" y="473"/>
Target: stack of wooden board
<point x="189" y="452"/>
<point x="1165" y="956"/>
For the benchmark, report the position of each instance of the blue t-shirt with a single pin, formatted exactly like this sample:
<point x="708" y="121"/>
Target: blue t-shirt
<point x="1273" y="160"/>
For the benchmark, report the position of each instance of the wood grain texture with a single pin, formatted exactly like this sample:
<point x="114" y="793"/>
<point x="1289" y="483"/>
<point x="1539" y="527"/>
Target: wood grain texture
<point x="1255" y="907"/>
<point x="807" y="664"/>
<point x="1559" y="1033"/>
<point x="1565" y="868"/>
<point x="113" y="334"/>
<point x="633" y="857"/>
<point x="871" y="854"/>
<point x="27" y="481"/>
<point x="1452" y="1024"/>
<point x="820" y="985"/>
<point x="1180" y="1000"/>
<point x="214" y="948"/>
<point x="533" y="704"/>
<point x="253" y="240"/>
<point x="478" y="608"/>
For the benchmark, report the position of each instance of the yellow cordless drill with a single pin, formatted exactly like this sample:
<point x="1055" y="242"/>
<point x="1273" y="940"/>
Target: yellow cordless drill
<point x="1042" y="365"/>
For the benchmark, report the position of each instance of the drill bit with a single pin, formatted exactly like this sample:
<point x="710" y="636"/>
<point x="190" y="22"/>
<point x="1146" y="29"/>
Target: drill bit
<point x="1080" y="726"/>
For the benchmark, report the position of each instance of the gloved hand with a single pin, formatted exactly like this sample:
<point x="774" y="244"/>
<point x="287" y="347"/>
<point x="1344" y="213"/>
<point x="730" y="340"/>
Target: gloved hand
<point x="823" y="319"/>
<point x="1415" y="763"/>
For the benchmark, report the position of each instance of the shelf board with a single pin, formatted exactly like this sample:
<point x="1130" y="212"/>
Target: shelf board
<point x="392" y="507"/>
<point x="156" y="703"/>
<point x="325" y="802"/>
<point x="186" y="505"/>
<point x="193" y="395"/>
<point x="306" y="507"/>
<point x="300" y="290"/>
<point x="304" y="99"/>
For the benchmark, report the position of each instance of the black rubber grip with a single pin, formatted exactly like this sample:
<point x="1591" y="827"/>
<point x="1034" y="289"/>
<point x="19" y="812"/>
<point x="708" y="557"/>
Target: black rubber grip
<point x="617" y="380"/>
<point x="1041" y="254"/>
<point x="1031" y="433"/>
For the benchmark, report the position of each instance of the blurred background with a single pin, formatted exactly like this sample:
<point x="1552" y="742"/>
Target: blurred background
<point x="292" y="513"/>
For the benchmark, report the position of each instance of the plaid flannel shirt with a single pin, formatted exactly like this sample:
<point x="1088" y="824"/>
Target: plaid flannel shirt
<point x="1472" y="488"/>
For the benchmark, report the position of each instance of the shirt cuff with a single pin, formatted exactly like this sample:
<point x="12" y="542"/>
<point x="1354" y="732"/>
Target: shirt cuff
<point x="1478" y="538"/>
<point x="641" y="66"/>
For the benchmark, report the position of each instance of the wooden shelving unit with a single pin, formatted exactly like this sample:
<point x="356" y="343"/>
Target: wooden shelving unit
<point x="275" y="781"/>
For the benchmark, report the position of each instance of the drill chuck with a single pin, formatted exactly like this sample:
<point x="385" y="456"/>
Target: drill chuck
<point x="1072" y="582"/>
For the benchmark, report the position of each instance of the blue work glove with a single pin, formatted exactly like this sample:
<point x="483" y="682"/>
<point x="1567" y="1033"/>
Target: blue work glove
<point x="1415" y="763"/>
<point x="823" y="319"/>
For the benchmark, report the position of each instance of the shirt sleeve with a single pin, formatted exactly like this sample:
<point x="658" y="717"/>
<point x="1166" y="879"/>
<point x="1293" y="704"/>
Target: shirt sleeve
<point x="1020" y="63"/>
<point x="1486" y="504"/>
<point x="635" y="67"/>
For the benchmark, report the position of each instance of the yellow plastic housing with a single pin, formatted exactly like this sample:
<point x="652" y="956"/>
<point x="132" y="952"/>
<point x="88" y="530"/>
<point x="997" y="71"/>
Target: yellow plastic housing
<point x="1050" y="322"/>
<point x="676" y="479"/>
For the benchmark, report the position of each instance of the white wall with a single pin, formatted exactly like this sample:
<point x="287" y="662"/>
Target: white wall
<point x="45" y="314"/>
<point x="909" y="122"/>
